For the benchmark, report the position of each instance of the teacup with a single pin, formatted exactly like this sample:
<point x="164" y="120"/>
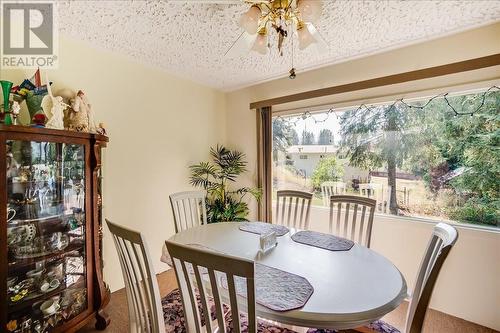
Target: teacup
<point x="54" y="283"/>
<point x="44" y="287"/>
<point x="49" y="307"/>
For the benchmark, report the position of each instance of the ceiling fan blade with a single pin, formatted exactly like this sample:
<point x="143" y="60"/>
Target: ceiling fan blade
<point x="321" y="44"/>
<point x="241" y="46"/>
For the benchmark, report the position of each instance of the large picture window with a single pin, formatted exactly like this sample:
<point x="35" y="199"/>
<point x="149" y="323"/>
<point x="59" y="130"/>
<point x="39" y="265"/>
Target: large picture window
<point x="437" y="158"/>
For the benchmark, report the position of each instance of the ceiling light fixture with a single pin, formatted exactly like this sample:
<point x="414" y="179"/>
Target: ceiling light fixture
<point x="284" y="17"/>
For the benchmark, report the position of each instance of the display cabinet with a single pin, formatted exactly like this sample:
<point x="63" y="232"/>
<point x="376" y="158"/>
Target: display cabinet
<point x="50" y="230"/>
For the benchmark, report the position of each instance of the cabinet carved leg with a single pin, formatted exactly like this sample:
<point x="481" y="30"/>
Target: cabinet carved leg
<point x="102" y="320"/>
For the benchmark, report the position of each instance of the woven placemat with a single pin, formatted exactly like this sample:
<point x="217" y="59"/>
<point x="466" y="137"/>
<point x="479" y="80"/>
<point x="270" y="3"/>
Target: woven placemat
<point x="323" y="241"/>
<point x="275" y="289"/>
<point x="263" y="228"/>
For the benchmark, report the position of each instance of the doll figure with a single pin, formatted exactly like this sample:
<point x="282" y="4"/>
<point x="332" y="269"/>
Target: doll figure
<point x="81" y="115"/>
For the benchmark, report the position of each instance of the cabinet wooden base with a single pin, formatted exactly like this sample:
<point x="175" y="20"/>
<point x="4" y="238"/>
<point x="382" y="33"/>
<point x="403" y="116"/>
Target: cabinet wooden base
<point x="102" y="320"/>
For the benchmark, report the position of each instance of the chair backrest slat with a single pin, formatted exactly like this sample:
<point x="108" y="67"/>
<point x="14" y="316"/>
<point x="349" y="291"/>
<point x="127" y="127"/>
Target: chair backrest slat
<point x="145" y="310"/>
<point x="209" y="286"/>
<point x="288" y="205"/>
<point x="219" y="310"/>
<point x="442" y="240"/>
<point x="235" y="314"/>
<point x="350" y="225"/>
<point x="353" y="224"/>
<point x="330" y="188"/>
<point x="192" y="298"/>
<point x="189" y="209"/>
<point x="203" y="297"/>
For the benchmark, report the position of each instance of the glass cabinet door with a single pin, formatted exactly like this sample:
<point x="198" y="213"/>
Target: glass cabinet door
<point x="46" y="273"/>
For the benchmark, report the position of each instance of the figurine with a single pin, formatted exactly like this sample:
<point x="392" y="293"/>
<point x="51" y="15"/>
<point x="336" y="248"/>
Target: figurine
<point x="101" y="129"/>
<point x="16" y="109"/>
<point x="67" y="95"/>
<point x="81" y="115"/>
<point x="56" y="119"/>
<point x="53" y="108"/>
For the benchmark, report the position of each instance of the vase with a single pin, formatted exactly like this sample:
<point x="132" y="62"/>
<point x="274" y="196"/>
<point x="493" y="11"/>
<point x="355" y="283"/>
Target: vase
<point x="6" y="86"/>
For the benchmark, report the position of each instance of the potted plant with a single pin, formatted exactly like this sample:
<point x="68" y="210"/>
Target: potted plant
<point x="224" y="203"/>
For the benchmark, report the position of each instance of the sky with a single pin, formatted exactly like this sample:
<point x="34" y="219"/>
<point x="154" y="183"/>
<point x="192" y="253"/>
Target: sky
<point x="331" y="122"/>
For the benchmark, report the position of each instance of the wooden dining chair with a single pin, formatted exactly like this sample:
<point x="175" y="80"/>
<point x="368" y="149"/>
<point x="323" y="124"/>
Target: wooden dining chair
<point x="352" y="217"/>
<point x="141" y="286"/>
<point x="330" y="188"/>
<point x="200" y="271"/>
<point x="292" y="208"/>
<point x="443" y="238"/>
<point x="189" y="209"/>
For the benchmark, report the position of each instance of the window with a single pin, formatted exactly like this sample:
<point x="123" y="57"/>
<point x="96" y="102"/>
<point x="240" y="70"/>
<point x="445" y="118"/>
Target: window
<point x="418" y="159"/>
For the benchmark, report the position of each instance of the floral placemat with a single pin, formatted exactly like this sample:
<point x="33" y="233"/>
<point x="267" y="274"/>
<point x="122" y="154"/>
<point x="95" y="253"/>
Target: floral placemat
<point x="275" y="289"/>
<point x="263" y="228"/>
<point x="323" y="241"/>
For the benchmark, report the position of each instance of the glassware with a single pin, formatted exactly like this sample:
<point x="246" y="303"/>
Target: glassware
<point x="6" y="86"/>
<point x="47" y="284"/>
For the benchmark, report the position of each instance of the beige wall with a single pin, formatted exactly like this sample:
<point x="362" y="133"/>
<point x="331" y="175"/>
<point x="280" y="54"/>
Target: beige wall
<point x="468" y="287"/>
<point x="158" y="124"/>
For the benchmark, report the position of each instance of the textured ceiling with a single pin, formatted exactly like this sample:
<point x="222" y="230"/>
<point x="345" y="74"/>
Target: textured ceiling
<point x="189" y="38"/>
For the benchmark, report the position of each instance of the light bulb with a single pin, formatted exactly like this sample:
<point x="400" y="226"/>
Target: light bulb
<point x="260" y="44"/>
<point x="304" y="35"/>
<point x="250" y="20"/>
<point x="310" y="10"/>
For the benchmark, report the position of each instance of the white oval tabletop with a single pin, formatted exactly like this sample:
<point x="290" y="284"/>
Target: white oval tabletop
<point x="351" y="288"/>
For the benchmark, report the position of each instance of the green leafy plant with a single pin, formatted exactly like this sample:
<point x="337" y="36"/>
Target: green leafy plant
<point x="328" y="169"/>
<point x="224" y="203"/>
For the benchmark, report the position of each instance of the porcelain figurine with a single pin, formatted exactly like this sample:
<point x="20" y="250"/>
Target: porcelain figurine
<point x="81" y="116"/>
<point x="53" y="107"/>
<point x="16" y="109"/>
<point x="56" y="119"/>
<point x="67" y="95"/>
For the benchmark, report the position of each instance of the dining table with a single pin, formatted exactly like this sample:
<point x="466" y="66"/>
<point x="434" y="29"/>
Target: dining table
<point x="351" y="288"/>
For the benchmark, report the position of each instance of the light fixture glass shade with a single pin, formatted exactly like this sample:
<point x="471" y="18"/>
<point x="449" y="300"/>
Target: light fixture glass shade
<point x="310" y="10"/>
<point x="260" y="44"/>
<point x="304" y="36"/>
<point x="250" y="20"/>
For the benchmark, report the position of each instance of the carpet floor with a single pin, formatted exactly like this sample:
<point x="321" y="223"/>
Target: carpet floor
<point x="435" y="322"/>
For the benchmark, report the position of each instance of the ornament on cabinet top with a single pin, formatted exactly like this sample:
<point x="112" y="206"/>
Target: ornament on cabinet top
<point x="62" y="110"/>
<point x="53" y="107"/>
<point x="81" y="116"/>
